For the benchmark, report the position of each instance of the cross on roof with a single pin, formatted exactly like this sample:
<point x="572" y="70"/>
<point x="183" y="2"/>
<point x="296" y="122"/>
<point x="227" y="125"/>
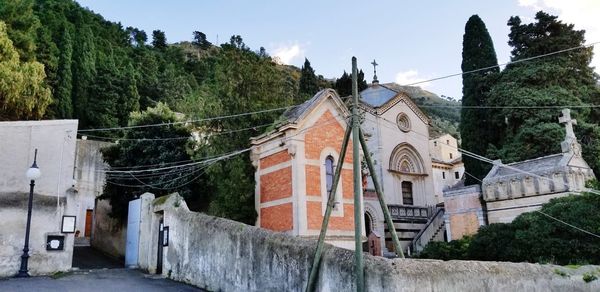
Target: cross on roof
<point x="374" y="63"/>
<point x="566" y="119"/>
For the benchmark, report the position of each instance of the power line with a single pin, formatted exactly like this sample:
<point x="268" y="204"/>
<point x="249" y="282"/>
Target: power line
<point x="494" y="162"/>
<point x="179" y="138"/>
<point x="189" y="121"/>
<point x="176" y="166"/>
<point x="570" y="225"/>
<point x="512" y="107"/>
<point x="504" y="64"/>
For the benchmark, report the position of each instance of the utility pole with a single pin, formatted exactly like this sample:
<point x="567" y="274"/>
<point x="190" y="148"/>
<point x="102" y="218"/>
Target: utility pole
<point x="358" y="257"/>
<point x="358" y="140"/>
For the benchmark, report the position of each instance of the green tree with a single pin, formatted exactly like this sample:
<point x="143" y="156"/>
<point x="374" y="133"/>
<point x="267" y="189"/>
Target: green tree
<point x="559" y="80"/>
<point x="23" y="93"/>
<point x="84" y="73"/>
<point x="200" y="40"/>
<point x="159" y="39"/>
<point x="343" y="85"/>
<point x="478" y="52"/>
<point x="63" y="103"/>
<point x="241" y="81"/>
<point x="309" y="84"/>
<point x="164" y="145"/>
<point x="22" y="25"/>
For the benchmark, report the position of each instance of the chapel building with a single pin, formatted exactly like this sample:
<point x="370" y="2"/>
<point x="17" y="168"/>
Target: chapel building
<point x="510" y="190"/>
<point x="296" y="161"/>
<point x="295" y="164"/>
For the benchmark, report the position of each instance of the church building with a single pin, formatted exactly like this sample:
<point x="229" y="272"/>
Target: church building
<point x="397" y="134"/>
<point x="295" y="164"/>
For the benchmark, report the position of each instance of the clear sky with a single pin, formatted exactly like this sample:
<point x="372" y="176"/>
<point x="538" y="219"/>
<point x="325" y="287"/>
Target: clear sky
<point x="411" y="40"/>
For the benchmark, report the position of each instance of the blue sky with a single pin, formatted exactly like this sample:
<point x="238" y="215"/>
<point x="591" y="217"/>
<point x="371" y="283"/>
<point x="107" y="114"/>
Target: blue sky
<point x="412" y="41"/>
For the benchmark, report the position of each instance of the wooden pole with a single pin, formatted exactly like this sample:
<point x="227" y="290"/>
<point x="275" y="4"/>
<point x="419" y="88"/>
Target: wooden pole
<point x="330" y="202"/>
<point x="357" y="182"/>
<point x="386" y="212"/>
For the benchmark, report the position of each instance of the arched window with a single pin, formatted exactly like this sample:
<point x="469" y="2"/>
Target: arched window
<point x="406" y="159"/>
<point x="329" y="174"/>
<point x="407" y="195"/>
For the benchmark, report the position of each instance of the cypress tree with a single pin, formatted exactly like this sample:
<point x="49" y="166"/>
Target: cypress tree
<point x="559" y="80"/>
<point x="309" y="84"/>
<point x="478" y="52"/>
<point x="63" y="106"/>
<point x="84" y="71"/>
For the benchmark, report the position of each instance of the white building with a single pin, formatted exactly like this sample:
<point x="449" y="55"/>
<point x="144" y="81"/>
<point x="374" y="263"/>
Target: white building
<point x="447" y="165"/>
<point x="397" y="134"/>
<point x="52" y="199"/>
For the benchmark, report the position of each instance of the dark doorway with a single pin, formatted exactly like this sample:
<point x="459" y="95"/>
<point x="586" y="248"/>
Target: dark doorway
<point x="88" y="222"/>
<point x="368" y="224"/>
<point x="159" y="258"/>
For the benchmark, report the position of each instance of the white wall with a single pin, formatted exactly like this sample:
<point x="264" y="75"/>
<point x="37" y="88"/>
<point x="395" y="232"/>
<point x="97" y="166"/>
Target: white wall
<point x="385" y="136"/>
<point x="222" y="255"/>
<point x="55" y="141"/>
<point x="89" y="177"/>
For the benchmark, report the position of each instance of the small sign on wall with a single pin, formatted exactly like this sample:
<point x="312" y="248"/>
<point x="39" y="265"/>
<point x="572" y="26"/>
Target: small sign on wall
<point x="55" y="242"/>
<point x="165" y="236"/>
<point x="68" y="224"/>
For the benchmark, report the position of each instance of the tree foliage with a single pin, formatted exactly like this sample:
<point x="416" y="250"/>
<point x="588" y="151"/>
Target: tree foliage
<point x="534" y="237"/>
<point x="98" y="72"/>
<point x="241" y="81"/>
<point x="343" y="85"/>
<point x="131" y="154"/>
<point x="309" y="84"/>
<point x="23" y="92"/>
<point x="478" y="52"/>
<point x="525" y="99"/>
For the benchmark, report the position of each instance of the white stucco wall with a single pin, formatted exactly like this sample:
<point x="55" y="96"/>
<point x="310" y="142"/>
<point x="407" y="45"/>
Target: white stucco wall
<point x="384" y="137"/>
<point x="444" y="148"/>
<point x="55" y="141"/>
<point x="89" y="177"/>
<point x="222" y="255"/>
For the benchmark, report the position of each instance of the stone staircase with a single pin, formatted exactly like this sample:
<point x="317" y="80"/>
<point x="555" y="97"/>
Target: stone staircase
<point x="432" y="231"/>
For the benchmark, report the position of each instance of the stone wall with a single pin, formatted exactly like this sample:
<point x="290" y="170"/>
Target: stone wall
<point x="109" y="234"/>
<point x="89" y="178"/>
<point x="223" y="255"/>
<point x="12" y="235"/>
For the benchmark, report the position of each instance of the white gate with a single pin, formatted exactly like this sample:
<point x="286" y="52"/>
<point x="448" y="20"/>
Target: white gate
<point x="133" y="234"/>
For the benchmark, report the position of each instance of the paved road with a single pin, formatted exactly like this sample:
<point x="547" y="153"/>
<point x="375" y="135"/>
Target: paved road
<point x="112" y="280"/>
<point x="86" y="257"/>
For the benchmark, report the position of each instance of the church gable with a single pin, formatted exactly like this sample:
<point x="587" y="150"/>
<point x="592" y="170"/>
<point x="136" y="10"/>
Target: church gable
<point x="295" y="165"/>
<point x="378" y="99"/>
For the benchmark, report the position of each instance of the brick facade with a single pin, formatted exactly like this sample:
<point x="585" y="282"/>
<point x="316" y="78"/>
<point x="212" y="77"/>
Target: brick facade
<point x="278" y="218"/>
<point x="276" y="185"/>
<point x="274" y="159"/>
<point x="330" y="134"/>
<point x="290" y="178"/>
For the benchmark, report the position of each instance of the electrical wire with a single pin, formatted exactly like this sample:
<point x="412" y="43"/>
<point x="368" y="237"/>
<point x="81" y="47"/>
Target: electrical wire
<point x="504" y="64"/>
<point x="178" y="138"/>
<point x="189" y="121"/>
<point x="570" y="225"/>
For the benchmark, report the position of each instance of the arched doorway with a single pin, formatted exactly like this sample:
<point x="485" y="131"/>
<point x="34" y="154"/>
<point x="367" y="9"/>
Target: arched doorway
<point x="368" y="223"/>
